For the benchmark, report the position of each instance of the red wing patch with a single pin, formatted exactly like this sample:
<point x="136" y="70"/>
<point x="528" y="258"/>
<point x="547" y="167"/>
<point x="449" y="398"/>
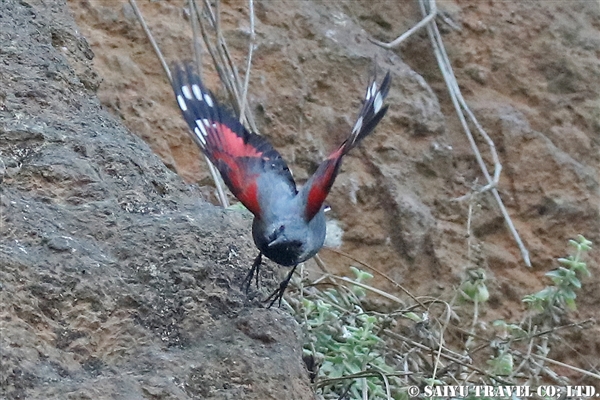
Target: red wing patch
<point x="235" y="174"/>
<point x="227" y="141"/>
<point x="236" y="160"/>
<point x="321" y="182"/>
<point x="239" y="155"/>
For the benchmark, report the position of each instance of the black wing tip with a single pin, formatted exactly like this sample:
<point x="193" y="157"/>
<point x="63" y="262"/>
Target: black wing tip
<point x="369" y="116"/>
<point x="184" y="74"/>
<point x="384" y="87"/>
<point x="178" y="75"/>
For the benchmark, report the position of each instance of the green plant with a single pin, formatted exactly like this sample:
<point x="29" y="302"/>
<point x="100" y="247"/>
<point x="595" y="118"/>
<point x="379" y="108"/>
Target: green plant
<point x="345" y="340"/>
<point x="474" y="288"/>
<point x="430" y="342"/>
<point x="554" y="301"/>
<point x="566" y="280"/>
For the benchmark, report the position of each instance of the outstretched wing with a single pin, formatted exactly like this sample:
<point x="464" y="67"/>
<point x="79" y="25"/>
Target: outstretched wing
<point x="239" y="155"/>
<point x="318" y="186"/>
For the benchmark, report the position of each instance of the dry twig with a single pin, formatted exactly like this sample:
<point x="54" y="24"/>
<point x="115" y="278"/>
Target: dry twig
<point x="213" y="172"/>
<point x="429" y="11"/>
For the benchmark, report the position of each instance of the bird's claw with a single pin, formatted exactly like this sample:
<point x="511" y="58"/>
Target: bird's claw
<point x="252" y="273"/>
<point x="277" y="295"/>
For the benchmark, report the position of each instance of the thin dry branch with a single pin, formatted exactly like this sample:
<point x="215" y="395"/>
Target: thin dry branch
<point x="458" y="361"/>
<point x="220" y="66"/>
<point x="155" y="47"/>
<point x="364" y="374"/>
<point x="213" y="171"/>
<point x="561" y="364"/>
<point x="441" y="341"/>
<point x="364" y="264"/>
<point x="196" y="41"/>
<point x="223" y="61"/>
<point x="248" y="61"/>
<point x="396" y="42"/>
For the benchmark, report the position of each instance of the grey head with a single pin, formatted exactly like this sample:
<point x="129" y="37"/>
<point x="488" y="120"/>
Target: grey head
<point x="291" y="240"/>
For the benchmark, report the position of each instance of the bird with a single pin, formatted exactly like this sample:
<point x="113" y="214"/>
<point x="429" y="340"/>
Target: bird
<point x="289" y="223"/>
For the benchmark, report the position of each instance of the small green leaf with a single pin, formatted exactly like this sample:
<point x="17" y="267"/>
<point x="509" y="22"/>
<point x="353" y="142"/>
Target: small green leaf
<point x="237" y="207"/>
<point x="413" y="317"/>
<point x="570" y="303"/>
<point x="502" y="365"/>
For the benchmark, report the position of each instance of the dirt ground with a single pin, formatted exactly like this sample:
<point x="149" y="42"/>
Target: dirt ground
<point x="528" y="70"/>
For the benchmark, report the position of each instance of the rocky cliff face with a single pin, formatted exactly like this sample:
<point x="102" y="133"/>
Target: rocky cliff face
<point x="118" y="280"/>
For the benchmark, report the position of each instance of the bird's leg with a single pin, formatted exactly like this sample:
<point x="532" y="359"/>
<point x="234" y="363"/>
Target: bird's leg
<point x="253" y="272"/>
<point x="278" y="294"/>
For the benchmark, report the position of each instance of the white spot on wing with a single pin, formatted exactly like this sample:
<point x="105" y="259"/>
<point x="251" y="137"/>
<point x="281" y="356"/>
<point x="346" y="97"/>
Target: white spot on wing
<point x="358" y="125"/>
<point x="202" y="125"/>
<point x="186" y="92"/>
<point x="181" y="103"/>
<point x="197" y="92"/>
<point x="371" y="91"/>
<point x="378" y="102"/>
<point x="208" y="100"/>
<point x="200" y="135"/>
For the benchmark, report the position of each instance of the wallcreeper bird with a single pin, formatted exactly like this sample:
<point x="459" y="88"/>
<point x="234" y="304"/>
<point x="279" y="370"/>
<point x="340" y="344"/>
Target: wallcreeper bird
<point x="289" y="223"/>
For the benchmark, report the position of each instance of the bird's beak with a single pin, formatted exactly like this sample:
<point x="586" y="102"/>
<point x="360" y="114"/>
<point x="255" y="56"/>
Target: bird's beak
<point x="279" y="240"/>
